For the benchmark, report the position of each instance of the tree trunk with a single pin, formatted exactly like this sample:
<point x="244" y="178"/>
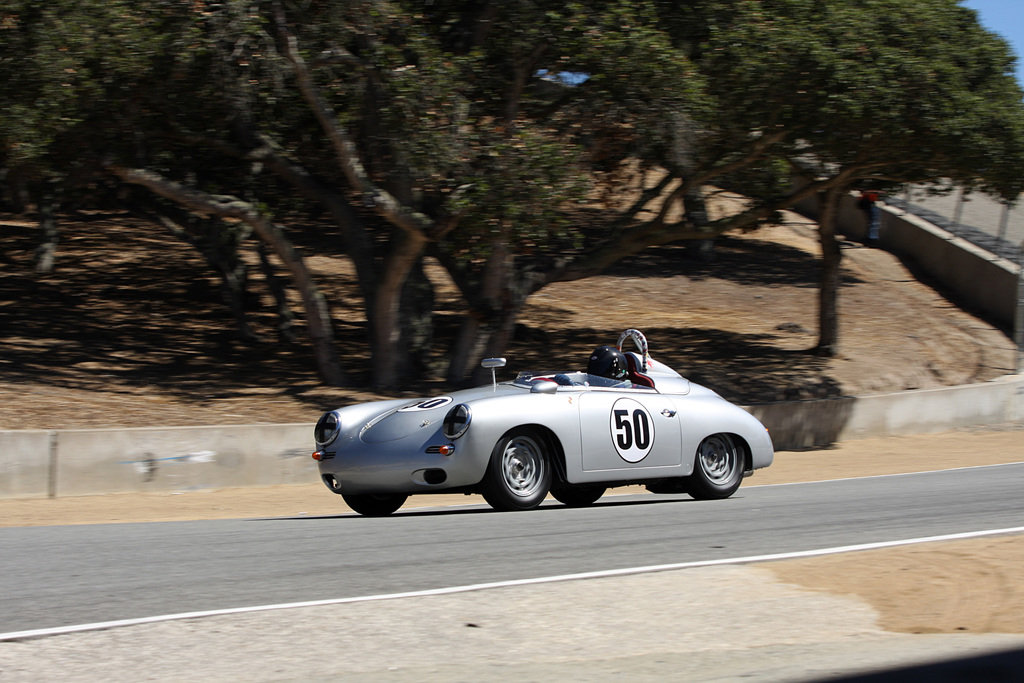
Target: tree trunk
<point x="234" y="276"/>
<point x="355" y="235"/>
<point x="468" y="346"/>
<point x="484" y="303"/>
<point x="217" y="242"/>
<point x="416" y="317"/>
<point x="385" y="323"/>
<point x="46" y="252"/>
<point x="318" y="317"/>
<point x="285" y="319"/>
<point x="496" y="343"/>
<point x="496" y="301"/>
<point x="828" y="291"/>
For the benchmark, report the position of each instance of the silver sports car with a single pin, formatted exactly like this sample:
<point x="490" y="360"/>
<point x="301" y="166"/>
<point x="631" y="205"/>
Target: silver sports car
<point x="627" y="419"/>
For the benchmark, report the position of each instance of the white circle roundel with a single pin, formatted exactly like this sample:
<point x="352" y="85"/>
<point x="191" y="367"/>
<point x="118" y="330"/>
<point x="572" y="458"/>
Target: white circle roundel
<point x="632" y="430"/>
<point x="427" y="404"/>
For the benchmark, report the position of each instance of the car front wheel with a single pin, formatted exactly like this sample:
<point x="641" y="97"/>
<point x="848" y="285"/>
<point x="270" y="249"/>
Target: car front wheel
<point x="519" y="472"/>
<point x="718" y="469"/>
<point x="373" y="504"/>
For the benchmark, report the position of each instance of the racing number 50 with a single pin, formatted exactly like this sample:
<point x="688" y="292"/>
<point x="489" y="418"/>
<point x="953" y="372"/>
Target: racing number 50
<point x="632" y="433"/>
<point x="632" y="429"/>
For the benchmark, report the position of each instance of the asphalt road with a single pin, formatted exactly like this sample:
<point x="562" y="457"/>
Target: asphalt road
<point x="58" y="576"/>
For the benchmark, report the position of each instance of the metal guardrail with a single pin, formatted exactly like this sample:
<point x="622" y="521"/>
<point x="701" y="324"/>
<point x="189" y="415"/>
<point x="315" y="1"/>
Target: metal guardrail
<point x="989" y="223"/>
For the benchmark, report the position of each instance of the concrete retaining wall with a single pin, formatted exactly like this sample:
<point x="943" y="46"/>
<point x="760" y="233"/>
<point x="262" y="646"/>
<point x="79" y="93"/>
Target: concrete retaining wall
<point x="806" y="424"/>
<point x="41" y="464"/>
<point x="25" y="464"/>
<point x="81" y="462"/>
<point x="977" y="278"/>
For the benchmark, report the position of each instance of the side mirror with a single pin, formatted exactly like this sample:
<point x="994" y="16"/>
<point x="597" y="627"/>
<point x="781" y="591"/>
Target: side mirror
<point x="492" y="364"/>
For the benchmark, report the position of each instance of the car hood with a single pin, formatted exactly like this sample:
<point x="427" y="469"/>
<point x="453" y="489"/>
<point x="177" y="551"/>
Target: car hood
<point x="426" y="413"/>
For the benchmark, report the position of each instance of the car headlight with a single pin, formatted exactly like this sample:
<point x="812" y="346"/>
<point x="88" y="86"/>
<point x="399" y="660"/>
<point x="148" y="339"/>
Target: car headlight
<point x="327" y="428"/>
<point x="456" y="422"/>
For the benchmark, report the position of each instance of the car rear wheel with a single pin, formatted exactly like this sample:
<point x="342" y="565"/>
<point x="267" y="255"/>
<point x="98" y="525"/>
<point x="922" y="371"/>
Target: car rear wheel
<point x="578" y="496"/>
<point x="718" y="469"/>
<point x="375" y="504"/>
<point x="519" y="473"/>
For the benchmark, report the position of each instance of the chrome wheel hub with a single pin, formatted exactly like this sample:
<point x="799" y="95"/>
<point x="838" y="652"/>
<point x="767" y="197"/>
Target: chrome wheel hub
<point x="718" y="458"/>
<point x="522" y="466"/>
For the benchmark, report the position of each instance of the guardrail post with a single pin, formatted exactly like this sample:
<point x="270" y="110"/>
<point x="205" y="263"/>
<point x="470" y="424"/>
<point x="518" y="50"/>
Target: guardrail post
<point x="1018" y="318"/>
<point x="1004" y="219"/>
<point x="51" y="479"/>
<point x="957" y="211"/>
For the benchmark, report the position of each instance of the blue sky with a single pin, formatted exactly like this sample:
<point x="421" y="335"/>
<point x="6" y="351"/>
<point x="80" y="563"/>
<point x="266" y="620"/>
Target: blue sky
<point x="1005" y="17"/>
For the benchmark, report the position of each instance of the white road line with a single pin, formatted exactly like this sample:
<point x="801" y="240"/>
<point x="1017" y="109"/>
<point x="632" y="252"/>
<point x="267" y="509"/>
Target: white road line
<point x="891" y="474"/>
<point x="628" y="571"/>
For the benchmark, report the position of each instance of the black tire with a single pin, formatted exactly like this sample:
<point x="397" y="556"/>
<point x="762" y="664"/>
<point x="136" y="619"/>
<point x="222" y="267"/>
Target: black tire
<point x="717" y="468"/>
<point x="375" y="504"/>
<point x="578" y="496"/>
<point x="519" y="472"/>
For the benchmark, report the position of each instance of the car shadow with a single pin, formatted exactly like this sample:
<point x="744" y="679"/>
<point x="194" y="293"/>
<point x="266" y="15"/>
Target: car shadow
<point x="477" y="509"/>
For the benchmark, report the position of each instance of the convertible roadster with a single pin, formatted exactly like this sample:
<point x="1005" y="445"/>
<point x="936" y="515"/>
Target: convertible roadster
<point x="627" y="419"/>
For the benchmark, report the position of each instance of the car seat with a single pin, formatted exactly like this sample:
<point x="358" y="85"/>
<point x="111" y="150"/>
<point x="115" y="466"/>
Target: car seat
<point x="636" y="369"/>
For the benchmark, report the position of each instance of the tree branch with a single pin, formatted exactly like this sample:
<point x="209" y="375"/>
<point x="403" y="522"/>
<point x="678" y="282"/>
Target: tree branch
<point x="652" y="233"/>
<point x="413" y="222"/>
<point x="318" y="318"/>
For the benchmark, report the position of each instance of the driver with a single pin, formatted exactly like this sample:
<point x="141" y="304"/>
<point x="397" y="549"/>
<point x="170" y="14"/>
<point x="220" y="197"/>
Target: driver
<point x="608" y="361"/>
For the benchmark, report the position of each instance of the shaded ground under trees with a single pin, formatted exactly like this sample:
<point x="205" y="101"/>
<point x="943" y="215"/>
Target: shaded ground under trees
<point x="94" y="345"/>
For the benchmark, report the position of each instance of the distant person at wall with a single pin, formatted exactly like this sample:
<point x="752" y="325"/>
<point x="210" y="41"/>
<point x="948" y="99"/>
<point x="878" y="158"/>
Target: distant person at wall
<point x="868" y="203"/>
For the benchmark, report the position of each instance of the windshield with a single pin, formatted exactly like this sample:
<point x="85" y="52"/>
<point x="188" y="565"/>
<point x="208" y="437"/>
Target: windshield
<point x="571" y="379"/>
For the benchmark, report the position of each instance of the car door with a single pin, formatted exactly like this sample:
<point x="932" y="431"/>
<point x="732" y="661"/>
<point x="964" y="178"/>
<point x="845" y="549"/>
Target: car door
<point x="628" y="430"/>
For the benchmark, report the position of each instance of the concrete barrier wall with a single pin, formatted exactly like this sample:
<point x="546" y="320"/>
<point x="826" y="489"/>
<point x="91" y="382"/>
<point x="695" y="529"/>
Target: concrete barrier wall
<point x="40" y="464"/>
<point x="977" y="278"/>
<point x="981" y="280"/>
<point x="183" y="459"/>
<point x="806" y="424"/>
<point x="26" y="461"/>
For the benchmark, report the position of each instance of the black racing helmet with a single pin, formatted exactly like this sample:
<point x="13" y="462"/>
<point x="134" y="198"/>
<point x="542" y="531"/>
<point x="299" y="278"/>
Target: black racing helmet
<point x="608" y="361"/>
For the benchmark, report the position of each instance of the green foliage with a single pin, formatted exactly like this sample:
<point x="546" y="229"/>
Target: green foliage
<point x="70" y="72"/>
<point x="458" y="108"/>
<point x="915" y="91"/>
<point x="519" y="190"/>
<point x="451" y="94"/>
